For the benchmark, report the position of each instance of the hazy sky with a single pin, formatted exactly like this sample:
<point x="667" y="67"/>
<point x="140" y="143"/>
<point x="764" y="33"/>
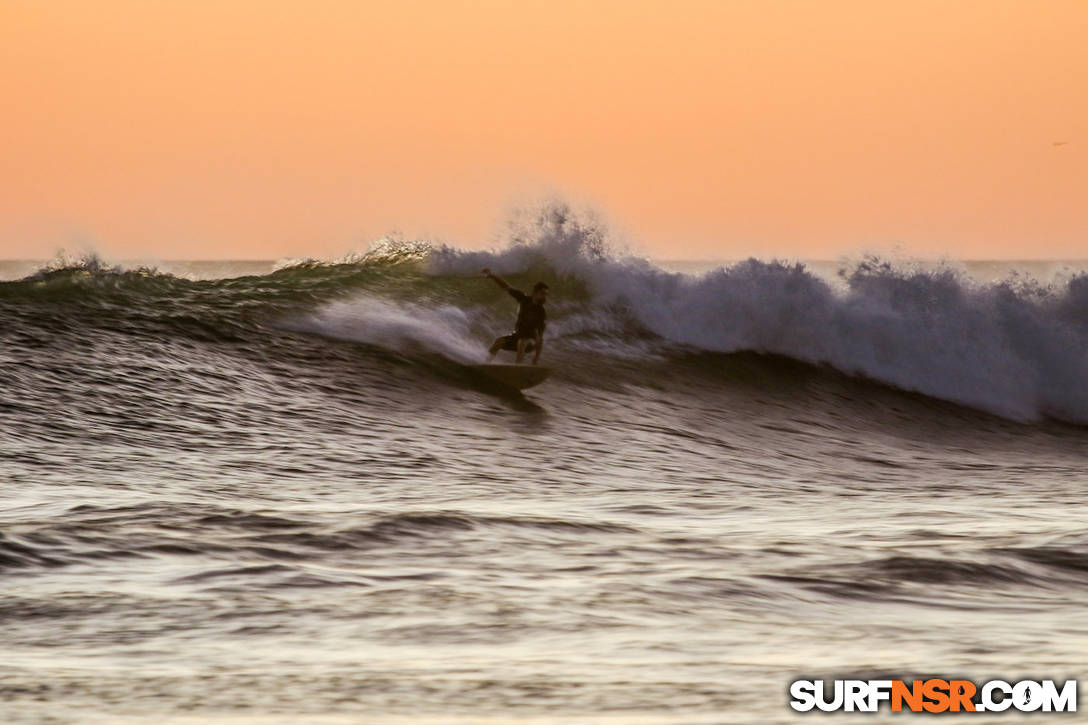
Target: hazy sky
<point x="266" y="128"/>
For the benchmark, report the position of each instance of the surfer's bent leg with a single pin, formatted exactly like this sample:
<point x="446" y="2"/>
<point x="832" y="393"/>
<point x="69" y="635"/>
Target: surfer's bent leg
<point x="496" y="346"/>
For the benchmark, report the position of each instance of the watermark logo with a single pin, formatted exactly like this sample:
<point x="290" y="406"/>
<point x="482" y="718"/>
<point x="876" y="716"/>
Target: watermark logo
<point x="933" y="695"/>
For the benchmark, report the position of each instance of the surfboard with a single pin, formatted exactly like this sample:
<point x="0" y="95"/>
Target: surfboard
<point x="515" y="376"/>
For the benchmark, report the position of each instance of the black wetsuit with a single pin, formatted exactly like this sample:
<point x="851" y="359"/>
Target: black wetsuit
<point x="531" y="320"/>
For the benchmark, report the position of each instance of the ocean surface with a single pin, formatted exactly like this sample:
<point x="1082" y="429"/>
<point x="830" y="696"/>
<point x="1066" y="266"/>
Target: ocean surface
<point x="275" y="492"/>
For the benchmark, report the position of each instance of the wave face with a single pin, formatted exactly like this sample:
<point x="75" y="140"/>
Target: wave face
<point x="284" y="495"/>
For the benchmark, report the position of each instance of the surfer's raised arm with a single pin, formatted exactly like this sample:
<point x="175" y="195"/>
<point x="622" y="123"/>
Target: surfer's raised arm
<point x="498" y="280"/>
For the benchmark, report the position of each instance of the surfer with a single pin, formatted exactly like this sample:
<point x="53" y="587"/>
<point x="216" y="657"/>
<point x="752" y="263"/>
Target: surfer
<point x="528" y="335"/>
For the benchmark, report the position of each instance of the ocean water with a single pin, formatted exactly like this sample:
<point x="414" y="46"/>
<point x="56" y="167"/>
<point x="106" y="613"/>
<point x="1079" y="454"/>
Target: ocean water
<point x="246" y="492"/>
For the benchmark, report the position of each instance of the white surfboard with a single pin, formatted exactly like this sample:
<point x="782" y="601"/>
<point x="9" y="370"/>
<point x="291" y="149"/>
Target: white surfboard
<point x="515" y="376"/>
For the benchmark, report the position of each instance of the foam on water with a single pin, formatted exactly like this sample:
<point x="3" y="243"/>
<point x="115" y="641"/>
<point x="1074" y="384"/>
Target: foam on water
<point x="400" y="326"/>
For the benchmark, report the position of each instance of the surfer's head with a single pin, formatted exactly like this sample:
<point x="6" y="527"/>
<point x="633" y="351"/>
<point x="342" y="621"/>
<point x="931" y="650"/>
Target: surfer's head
<point x="540" y="292"/>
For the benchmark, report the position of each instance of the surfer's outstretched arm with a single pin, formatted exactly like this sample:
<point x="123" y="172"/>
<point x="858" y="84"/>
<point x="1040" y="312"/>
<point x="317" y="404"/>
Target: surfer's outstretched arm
<point x="498" y="280"/>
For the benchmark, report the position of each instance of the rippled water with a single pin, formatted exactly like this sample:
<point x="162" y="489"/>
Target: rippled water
<point x="285" y="498"/>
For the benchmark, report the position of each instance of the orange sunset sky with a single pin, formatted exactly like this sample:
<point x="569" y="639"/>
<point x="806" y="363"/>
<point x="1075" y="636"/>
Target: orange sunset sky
<point x="266" y="128"/>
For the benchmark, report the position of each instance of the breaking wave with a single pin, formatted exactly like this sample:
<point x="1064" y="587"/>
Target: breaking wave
<point x="1014" y="347"/>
